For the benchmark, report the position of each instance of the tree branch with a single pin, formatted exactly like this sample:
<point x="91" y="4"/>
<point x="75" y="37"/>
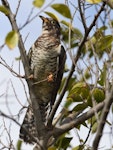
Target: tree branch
<point x="73" y="121"/>
<point x="38" y="119"/>
<point x="65" y="126"/>
<point x="17" y="9"/>
<point x="109" y="2"/>
<point x="58" y="101"/>
<point x="11" y="118"/>
<point x="9" y="68"/>
<point x="102" y="121"/>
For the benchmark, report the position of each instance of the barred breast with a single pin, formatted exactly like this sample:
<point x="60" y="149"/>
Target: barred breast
<point x="44" y="61"/>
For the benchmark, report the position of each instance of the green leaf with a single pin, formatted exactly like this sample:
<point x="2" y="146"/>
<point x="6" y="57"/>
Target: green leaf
<point x="90" y="42"/>
<point x="76" y="35"/>
<point x="81" y="89"/>
<point x="93" y="120"/>
<point x="80" y="107"/>
<point x="89" y="100"/>
<point x="94" y="127"/>
<point x="62" y="9"/>
<point x="99" y="42"/>
<point x="75" y="98"/>
<point x="70" y="84"/>
<point x="18" y="58"/>
<point x="68" y="103"/>
<point x="52" y="148"/>
<point x="94" y="1"/>
<point x="51" y="15"/>
<point x="98" y="95"/>
<point x="85" y="124"/>
<point x="38" y="3"/>
<point x="63" y="142"/>
<point x="87" y="74"/>
<point x="102" y="76"/>
<point x="66" y="23"/>
<point x="79" y="147"/>
<point x="19" y="145"/>
<point x="72" y="81"/>
<point x="4" y="10"/>
<point x="104" y="42"/>
<point x="12" y="39"/>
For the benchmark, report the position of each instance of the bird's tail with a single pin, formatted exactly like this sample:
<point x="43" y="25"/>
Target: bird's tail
<point x="28" y="129"/>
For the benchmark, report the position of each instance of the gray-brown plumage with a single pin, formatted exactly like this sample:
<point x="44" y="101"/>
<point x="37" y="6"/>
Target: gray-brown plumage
<point x="47" y="58"/>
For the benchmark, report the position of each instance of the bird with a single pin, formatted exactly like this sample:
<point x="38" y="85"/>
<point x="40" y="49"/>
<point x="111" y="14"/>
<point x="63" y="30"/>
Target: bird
<point x="46" y="58"/>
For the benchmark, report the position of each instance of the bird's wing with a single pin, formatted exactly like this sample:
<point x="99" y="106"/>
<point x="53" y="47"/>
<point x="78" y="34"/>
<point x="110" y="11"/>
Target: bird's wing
<point x="60" y="70"/>
<point x="29" y="58"/>
<point x="30" y="55"/>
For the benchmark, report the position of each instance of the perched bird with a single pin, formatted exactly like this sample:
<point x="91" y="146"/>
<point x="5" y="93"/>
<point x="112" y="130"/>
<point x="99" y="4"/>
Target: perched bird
<point x="46" y="59"/>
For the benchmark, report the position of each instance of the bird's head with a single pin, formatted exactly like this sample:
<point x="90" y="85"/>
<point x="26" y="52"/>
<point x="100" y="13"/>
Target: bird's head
<point x="50" y="25"/>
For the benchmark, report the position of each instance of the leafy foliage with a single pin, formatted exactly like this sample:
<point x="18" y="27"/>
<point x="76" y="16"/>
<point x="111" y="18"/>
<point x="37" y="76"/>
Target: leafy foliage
<point x="12" y="39"/>
<point x="62" y="9"/>
<point x="94" y="1"/>
<point x="87" y="84"/>
<point x="38" y="3"/>
<point x="4" y="10"/>
<point x="19" y="145"/>
<point x="63" y="142"/>
<point x="100" y="42"/>
<point x="51" y="15"/>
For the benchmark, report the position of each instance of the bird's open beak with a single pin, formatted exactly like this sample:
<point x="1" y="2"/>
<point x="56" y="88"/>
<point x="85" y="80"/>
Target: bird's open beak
<point x="44" y="19"/>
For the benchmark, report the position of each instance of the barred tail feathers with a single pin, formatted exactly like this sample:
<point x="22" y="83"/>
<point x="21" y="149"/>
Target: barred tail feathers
<point x="28" y="125"/>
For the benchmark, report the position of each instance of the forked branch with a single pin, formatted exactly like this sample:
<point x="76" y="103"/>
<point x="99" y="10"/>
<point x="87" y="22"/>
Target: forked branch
<point x="38" y="120"/>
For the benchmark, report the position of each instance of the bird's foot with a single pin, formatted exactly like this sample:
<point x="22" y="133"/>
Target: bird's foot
<point x="31" y="76"/>
<point x="50" y="78"/>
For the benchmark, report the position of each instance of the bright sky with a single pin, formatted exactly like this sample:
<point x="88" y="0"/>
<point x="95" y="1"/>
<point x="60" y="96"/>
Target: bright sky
<point x="8" y="102"/>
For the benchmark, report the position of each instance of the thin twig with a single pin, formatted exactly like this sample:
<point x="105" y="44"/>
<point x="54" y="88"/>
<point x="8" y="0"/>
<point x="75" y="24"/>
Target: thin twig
<point x="15" y="93"/>
<point x="104" y="115"/>
<point x="40" y="127"/>
<point x="17" y="9"/>
<point x="9" y="117"/>
<point x="30" y="20"/>
<point x="88" y="135"/>
<point x="96" y="79"/>
<point x="2" y="46"/>
<point x="58" y="101"/>
<point x="40" y="81"/>
<point x="10" y="141"/>
<point x="82" y="15"/>
<point x="108" y="103"/>
<point x="10" y="69"/>
<point x="6" y="98"/>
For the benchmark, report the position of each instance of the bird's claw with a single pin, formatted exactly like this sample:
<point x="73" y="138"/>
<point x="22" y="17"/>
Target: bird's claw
<point x="50" y="78"/>
<point x="31" y="77"/>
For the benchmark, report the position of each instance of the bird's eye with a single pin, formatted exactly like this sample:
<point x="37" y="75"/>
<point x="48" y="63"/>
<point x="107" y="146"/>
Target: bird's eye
<point x="53" y="22"/>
